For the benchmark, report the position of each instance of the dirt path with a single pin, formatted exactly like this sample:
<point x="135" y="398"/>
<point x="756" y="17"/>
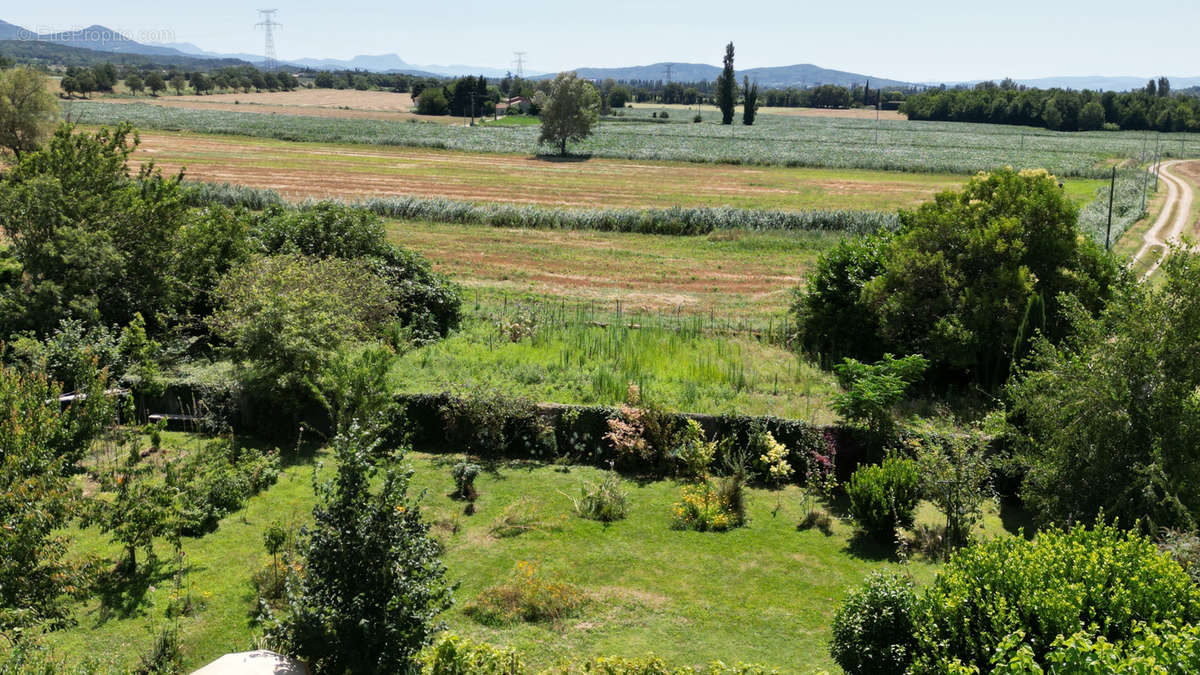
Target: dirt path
<point x="1172" y="220"/>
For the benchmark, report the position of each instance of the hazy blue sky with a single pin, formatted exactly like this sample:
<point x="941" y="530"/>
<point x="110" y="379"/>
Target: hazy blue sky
<point x="921" y="40"/>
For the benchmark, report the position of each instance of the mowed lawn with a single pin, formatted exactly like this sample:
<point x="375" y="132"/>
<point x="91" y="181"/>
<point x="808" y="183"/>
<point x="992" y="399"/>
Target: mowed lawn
<point x="730" y="275"/>
<point x="763" y="593"/>
<point x="326" y="170"/>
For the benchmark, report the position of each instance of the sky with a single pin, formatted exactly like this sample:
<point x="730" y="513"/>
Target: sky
<point x="915" y="41"/>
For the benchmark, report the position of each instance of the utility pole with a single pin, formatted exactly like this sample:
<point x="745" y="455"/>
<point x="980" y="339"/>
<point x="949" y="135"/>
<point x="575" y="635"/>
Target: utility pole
<point x="669" y="67"/>
<point x="520" y="61"/>
<point x="268" y="25"/>
<point x="1112" y="189"/>
<point x="472" y="108"/>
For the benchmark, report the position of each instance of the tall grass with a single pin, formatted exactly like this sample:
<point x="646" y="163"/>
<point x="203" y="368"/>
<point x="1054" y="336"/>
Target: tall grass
<point x="674" y="221"/>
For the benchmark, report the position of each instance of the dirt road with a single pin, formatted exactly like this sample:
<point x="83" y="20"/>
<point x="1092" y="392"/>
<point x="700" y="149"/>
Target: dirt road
<point x="1172" y="222"/>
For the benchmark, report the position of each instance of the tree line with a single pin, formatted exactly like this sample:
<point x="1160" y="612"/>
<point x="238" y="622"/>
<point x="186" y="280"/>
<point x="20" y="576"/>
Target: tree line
<point x="103" y="78"/>
<point x="1153" y="107"/>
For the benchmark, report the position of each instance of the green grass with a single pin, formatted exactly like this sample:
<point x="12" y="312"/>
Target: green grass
<point x="940" y="147"/>
<point x="765" y="592"/>
<point x="514" y="121"/>
<point x="678" y="365"/>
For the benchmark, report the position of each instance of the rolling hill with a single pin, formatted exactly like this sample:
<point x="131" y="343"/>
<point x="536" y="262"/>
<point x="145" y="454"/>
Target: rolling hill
<point x="800" y="75"/>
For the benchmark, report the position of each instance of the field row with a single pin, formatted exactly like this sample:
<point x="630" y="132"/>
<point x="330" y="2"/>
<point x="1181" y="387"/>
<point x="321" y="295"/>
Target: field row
<point x="774" y="140"/>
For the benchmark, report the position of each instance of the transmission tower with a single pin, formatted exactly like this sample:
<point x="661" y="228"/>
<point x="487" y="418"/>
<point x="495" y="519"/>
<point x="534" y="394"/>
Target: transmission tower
<point x="268" y="25"/>
<point x="669" y="67"/>
<point x="520" y="61"/>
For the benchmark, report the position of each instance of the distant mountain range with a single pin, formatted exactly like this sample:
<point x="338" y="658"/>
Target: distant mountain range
<point x="73" y="47"/>
<point x="802" y="75"/>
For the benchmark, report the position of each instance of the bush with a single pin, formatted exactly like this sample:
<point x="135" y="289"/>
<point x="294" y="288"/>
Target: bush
<point x="711" y="506"/>
<point x="464" y="474"/>
<point x="217" y="480"/>
<point x="772" y="456"/>
<point x="1102" y="582"/>
<point x="692" y="454"/>
<point x="1162" y="648"/>
<point x="529" y="596"/>
<point x="873" y="628"/>
<point x="604" y="501"/>
<point x="453" y="655"/>
<point x="884" y="497"/>
<point x="372" y="585"/>
<point x="490" y="424"/>
<point x="873" y="390"/>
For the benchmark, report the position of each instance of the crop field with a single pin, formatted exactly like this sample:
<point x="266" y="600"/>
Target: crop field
<point x="735" y="276"/>
<point x="711" y="110"/>
<point x="328" y="103"/>
<point x="690" y="598"/>
<point x="300" y="170"/>
<point x="774" y="140"/>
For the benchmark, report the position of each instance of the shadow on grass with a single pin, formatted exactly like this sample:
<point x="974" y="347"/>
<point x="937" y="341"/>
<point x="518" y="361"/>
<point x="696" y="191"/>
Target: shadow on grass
<point x="865" y="547"/>
<point x="1016" y="519"/>
<point x="569" y="158"/>
<point x="123" y="594"/>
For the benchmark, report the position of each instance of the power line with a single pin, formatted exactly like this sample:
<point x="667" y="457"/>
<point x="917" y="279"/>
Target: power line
<point x="669" y="67"/>
<point x="268" y="25"/>
<point x="520" y="61"/>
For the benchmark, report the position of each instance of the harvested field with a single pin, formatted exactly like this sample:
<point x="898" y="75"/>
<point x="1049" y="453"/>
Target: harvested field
<point x="734" y="275"/>
<point x="327" y="103"/>
<point x="300" y="170"/>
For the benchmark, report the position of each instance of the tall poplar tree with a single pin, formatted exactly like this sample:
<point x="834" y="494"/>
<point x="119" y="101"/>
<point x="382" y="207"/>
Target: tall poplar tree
<point x="727" y="88"/>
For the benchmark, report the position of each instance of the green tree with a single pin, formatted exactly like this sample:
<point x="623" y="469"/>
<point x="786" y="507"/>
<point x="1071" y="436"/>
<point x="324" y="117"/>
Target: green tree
<point x="39" y="442"/>
<point x="572" y="108"/>
<point x="141" y="511"/>
<point x="28" y="111"/>
<point x="955" y="282"/>
<point x="750" y="102"/>
<point x="1091" y="117"/>
<point x="372" y="585"/>
<point x="727" y="87"/>
<point x="179" y="83"/>
<point x="1107" y="421"/>
<point x="285" y="317"/>
<point x="155" y="83"/>
<point x="135" y="84"/>
<point x="432" y="101"/>
<point x="954" y="476"/>
<point x="872" y="390"/>
<point x="1051" y="115"/>
<point x="619" y="96"/>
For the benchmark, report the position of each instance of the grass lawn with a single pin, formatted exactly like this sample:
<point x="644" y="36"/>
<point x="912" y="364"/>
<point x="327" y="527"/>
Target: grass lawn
<point x="763" y="593"/>
<point x="734" y="275"/>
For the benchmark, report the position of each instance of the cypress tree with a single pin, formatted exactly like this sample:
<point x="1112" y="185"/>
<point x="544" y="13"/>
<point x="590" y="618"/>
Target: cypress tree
<point x="727" y="88"/>
<point x="750" y="105"/>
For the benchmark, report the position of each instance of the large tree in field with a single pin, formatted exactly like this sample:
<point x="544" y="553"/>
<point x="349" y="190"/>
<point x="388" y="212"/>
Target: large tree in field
<point x="727" y="87"/>
<point x="571" y="110"/>
<point x="750" y="104"/>
<point x="28" y="111"/>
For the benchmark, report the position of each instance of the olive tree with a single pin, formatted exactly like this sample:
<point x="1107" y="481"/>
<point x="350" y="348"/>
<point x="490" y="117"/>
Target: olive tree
<point x="28" y="111"/>
<point x="572" y="109"/>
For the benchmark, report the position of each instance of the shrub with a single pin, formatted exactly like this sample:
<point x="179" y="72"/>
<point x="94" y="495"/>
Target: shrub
<point x="490" y="424"/>
<point x="372" y="585"/>
<point x="1184" y="548"/>
<point x="873" y="389"/>
<point x="1102" y="582"/>
<point x="711" y="505"/>
<point x="1160" y="648"/>
<point x="884" y="497"/>
<point x="954" y="476"/>
<point x="529" y="596"/>
<point x="697" y="119"/>
<point x="873" y="628"/>
<point x="464" y="474"/>
<point x="453" y="655"/>
<point x="692" y="454"/>
<point x="217" y="480"/>
<point x="604" y="501"/>
<point x="772" y="456"/>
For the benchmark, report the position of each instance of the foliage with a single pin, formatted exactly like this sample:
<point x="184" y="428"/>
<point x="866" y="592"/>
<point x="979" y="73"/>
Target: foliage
<point x="571" y="110"/>
<point x="1160" y="648"/>
<point x="453" y="655"/>
<point x="693" y="454"/>
<point x="627" y="436"/>
<point x="530" y="596"/>
<point x="749" y="102"/>
<point x="955" y="476"/>
<point x="1015" y="593"/>
<point x="353" y="387"/>
<point x="1184" y="548"/>
<point x="711" y="505"/>
<point x="884" y="497"/>
<point x="831" y="315"/>
<point x="1105" y="422"/>
<point x="521" y="516"/>
<point x="217" y="480"/>
<point x="772" y="455"/>
<point x="93" y="244"/>
<point x="873" y="632"/>
<point x="141" y="511"/>
<point x="372" y="584"/>
<point x="491" y="424"/>
<point x="39" y="443"/>
<point x="652" y="665"/>
<point x="873" y="390"/>
<point x="28" y="111"/>
<point x="602" y="500"/>
<point x="464" y="474"/>
<point x="955" y="282"/>
<point x="727" y="87"/>
<point x="286" y="316"/>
